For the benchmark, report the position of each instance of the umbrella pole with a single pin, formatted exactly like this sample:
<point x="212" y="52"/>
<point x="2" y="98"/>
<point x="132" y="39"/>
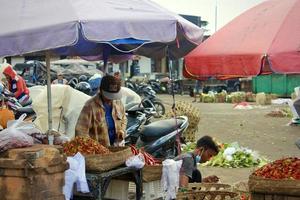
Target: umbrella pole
<point x="49" y="100"/>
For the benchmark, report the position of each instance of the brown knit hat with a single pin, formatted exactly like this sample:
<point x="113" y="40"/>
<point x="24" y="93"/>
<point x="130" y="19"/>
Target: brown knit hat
<point x="111" y="87"/>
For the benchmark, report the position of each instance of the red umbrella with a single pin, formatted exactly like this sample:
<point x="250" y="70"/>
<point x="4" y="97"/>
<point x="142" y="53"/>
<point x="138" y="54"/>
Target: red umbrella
<point x="264" y="39"/>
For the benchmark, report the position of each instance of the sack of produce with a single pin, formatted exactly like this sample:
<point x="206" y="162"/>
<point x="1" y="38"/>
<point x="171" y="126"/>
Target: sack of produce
<point x="264" y="99"/>
<point x="250" y="97"/>
<point x="208" y="98"/>
<point x="220" y="97"/>
<point x="238" y="97"/>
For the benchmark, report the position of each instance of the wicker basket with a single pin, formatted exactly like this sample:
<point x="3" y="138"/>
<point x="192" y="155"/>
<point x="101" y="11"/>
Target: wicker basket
<point x="207" y="195"/>
<point x="274" y="187"/>
<point x="208" y="187"/>
<point x="242" y="188"/>
<point x="207" y="191"/>
<point x="152" y="173"/>
<point x="100" y="163"/>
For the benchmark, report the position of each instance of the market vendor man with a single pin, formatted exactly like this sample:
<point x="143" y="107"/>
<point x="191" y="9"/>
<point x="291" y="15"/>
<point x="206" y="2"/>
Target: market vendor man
<point x="103" y="116"/>
<point x="205" y="149"/>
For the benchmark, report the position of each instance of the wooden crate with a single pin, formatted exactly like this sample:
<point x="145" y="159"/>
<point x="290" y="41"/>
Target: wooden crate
<point x="32" y="173"/>
<point x="264" y="189"/>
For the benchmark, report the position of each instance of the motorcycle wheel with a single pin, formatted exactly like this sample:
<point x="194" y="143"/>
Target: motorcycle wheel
<point x="160" y="109"/>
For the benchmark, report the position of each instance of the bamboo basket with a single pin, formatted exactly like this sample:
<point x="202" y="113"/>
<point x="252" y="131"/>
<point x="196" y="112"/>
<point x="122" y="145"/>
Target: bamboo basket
<point x="105" y="162"/>
<point x="208" y="187"/>
<point x="207" y="191"/>
<point x="242" y="188"/>
<point x="285" y="187"/>
<point x="152" y="173"/>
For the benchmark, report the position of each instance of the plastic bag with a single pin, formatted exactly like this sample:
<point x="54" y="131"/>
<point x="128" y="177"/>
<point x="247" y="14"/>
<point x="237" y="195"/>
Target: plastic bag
<point x="25" y="127"/>
<point x="75" y="174"/>
<point x="14" y="137"/>
<point x="137" y="161"/>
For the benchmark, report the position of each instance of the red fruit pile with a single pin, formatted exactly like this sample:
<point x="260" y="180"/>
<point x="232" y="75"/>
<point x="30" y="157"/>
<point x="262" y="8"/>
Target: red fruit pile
<point x="287" y="168"/>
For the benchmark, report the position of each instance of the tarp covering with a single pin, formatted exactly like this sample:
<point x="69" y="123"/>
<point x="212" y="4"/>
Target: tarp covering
<point x="264" y="39"/>
<point x="65" y="107"/>
<point x="85" y="27"/>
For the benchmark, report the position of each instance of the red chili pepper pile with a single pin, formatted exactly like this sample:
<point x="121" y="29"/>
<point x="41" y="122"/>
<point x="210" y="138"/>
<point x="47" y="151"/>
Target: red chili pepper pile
<point x="149" y="159"/>
<point x="85" y="145"/>
<point x="287" y="168"/>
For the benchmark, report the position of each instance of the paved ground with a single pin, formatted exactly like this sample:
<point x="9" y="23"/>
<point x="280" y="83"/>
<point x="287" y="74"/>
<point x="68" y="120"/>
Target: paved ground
<point x="250" y="128"/>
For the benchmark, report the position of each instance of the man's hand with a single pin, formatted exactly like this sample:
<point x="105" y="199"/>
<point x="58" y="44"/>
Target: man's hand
<point x="211" y="179"/>
<point x="120" y="136"/>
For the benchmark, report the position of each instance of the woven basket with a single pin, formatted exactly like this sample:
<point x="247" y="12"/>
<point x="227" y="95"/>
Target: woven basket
<point x="152" y="173"/>
<point x="208" y="187"/>
<point x="274" y="187"/>
<point x="207" y="195"/>
<point x="100" y="163"/>
<point x="207" y="191"/>
<point x="242" y="188"/>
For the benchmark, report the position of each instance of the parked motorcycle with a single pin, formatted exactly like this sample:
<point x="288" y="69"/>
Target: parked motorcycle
<point x="157" y="86"/>
<point x="137" y="117"/>
<point x="158" y="138"/>
<point x="161" y="138"/>
<point x="81" y="85"/>
<point x="16" y="106"/>
<point x="151" y="101"/>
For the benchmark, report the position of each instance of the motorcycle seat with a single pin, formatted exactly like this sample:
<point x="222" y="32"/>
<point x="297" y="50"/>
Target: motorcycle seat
<point x="27" y="103"/>
<point x="158" y="129"/>
<point x="27" y="110"/>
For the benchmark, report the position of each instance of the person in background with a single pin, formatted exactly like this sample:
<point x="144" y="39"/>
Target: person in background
<point x="60" y="79"/>
<point x="103" y="116"/>
<point x="117" y="74"/>
<point x="197" y="89"/>
<point x="205" y="149"/>
<point x="16" y="84"/>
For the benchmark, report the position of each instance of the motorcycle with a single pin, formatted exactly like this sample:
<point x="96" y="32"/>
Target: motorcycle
<point x="137" y="117"/>
<point x="18" y="109"/>
<point x="157" y="86"/>
<point x="162" y="138"/>
<point x="151" y="101"/>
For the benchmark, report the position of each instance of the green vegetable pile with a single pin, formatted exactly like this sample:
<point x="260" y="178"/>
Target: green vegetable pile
<point x="231" y="156"/>
<point x="234" y="156"/>
<point x="188" y="147"/>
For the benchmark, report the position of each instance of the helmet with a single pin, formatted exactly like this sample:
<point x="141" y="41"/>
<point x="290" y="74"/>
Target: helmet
<point x="84" y="87"/>
<point x="83" y="78"/>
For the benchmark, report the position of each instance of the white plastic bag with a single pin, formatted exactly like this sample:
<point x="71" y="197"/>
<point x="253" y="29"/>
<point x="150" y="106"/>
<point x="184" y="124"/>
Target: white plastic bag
<point x="15" y="136"/>
<point x="25" y="127"/>
<point x="170" y="177"/>
<point x="75" y="174"/>
<point x="137" y="161"/>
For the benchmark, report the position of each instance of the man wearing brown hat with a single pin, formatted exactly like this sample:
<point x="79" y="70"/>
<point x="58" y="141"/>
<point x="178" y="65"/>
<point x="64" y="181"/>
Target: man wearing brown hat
<point x="103" y="116"/>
